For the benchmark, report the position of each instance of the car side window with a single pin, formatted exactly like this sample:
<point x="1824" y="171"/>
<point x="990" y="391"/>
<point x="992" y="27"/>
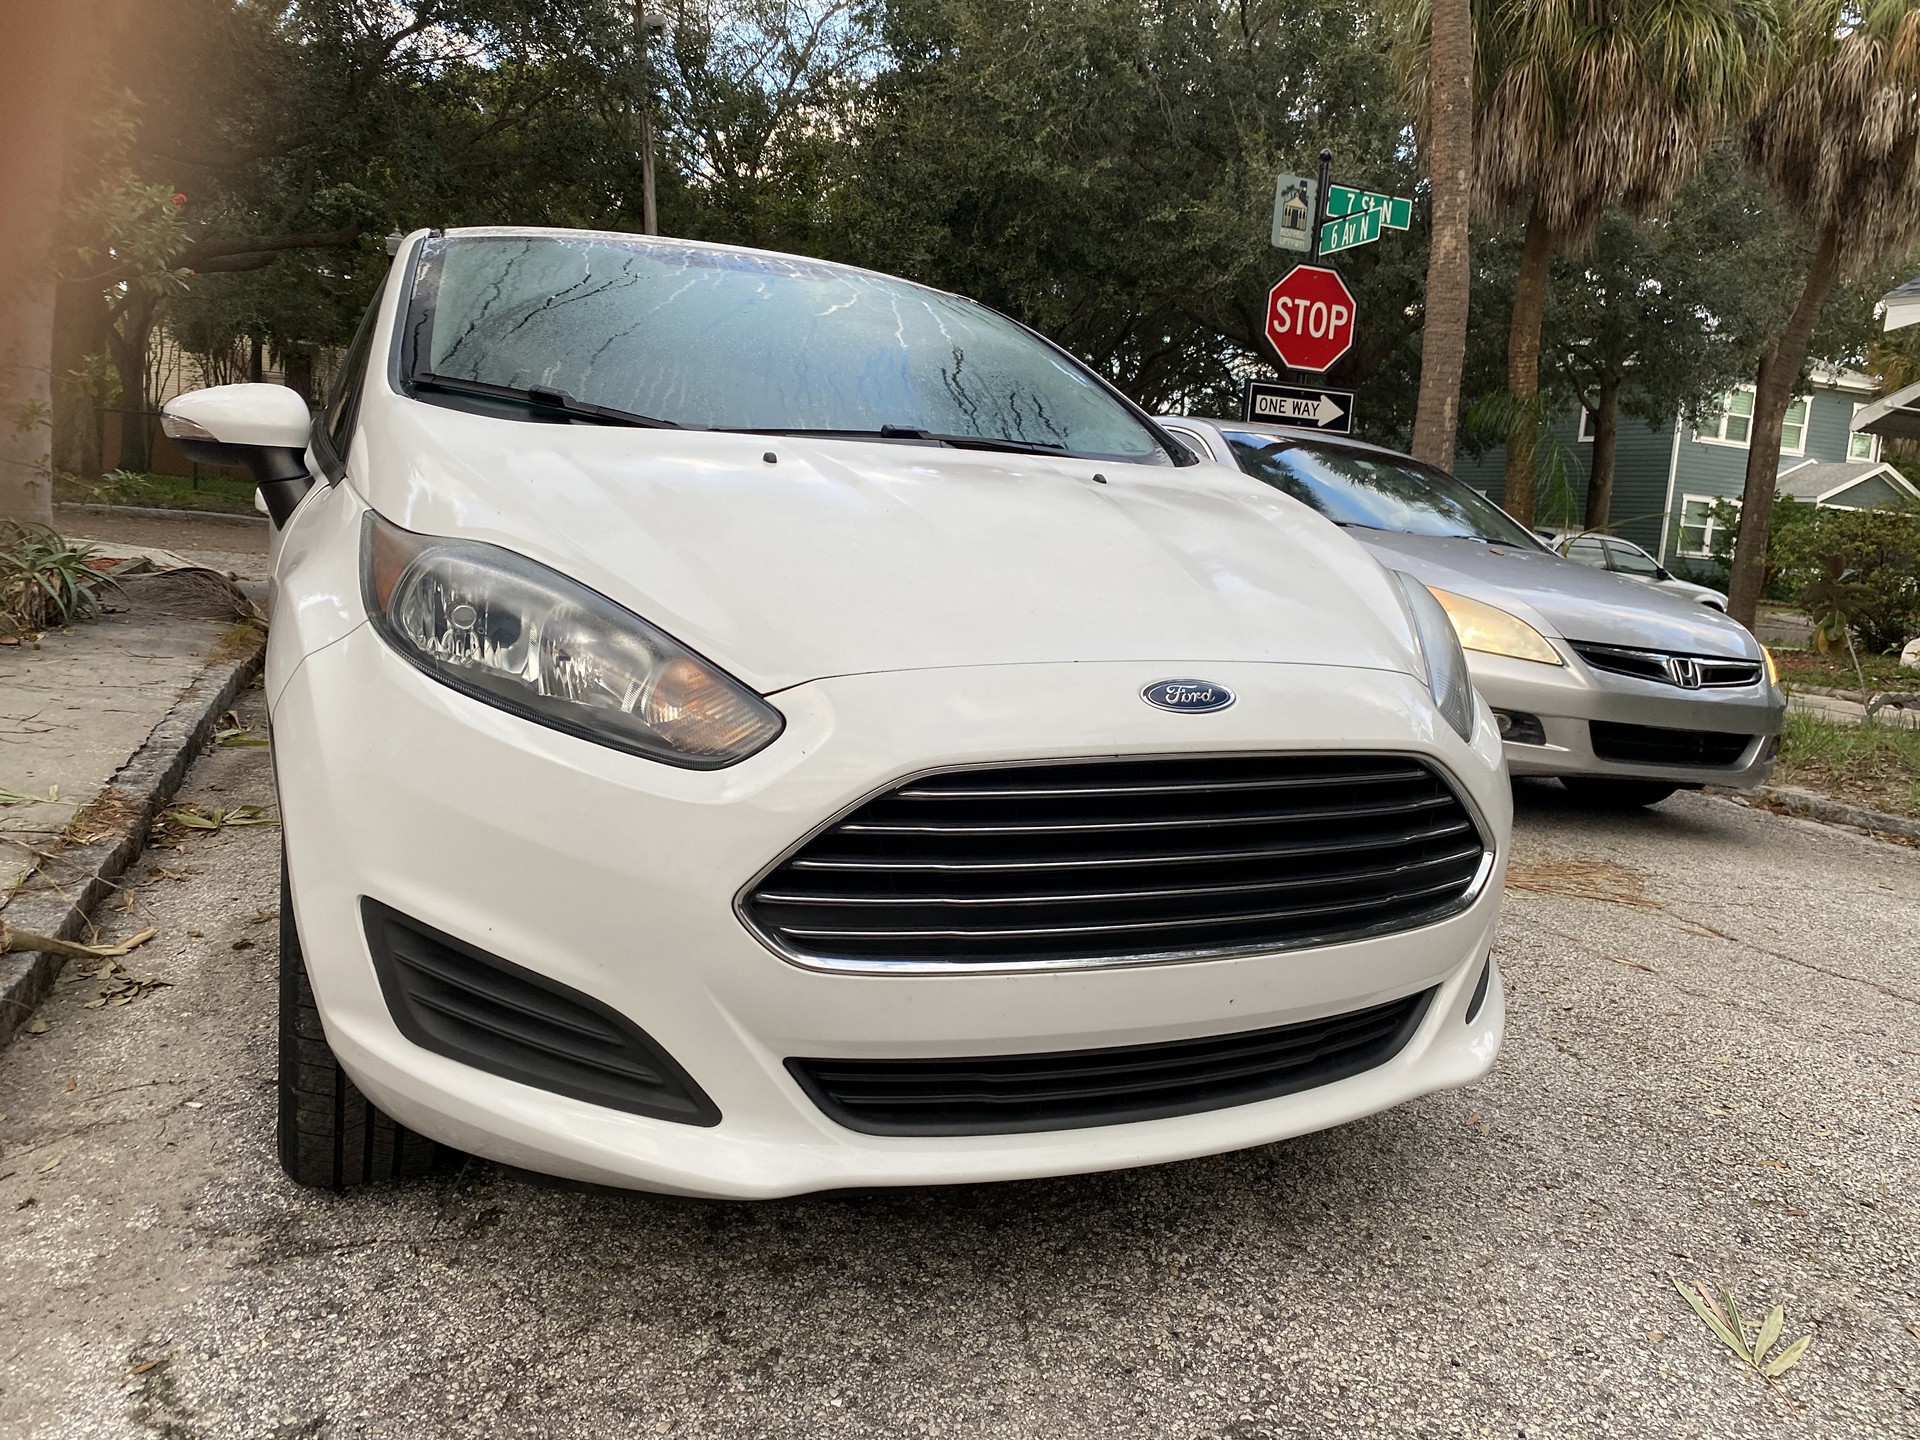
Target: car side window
<point x="1192" y="441"/>
<point x="1632" y="560"/>
<point x="343" y="403"/>
<point x="1587" y="550"/>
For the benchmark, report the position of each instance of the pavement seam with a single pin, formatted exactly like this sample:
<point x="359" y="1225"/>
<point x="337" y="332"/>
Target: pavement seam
<point x="59" y="894"/>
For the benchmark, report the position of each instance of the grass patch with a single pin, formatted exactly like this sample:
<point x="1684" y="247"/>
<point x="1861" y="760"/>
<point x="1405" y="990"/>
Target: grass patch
<point x="1877" y="766"/>
<point x="1835" y="671"/>
<point x="221" y="494"/>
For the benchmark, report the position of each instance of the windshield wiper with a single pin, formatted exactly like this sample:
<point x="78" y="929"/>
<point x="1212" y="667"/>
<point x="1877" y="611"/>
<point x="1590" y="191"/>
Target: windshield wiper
<point x="910" y="432"/>
<point x="540" y="397"/>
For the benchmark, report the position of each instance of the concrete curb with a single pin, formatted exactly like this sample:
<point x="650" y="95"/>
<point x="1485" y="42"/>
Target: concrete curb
<point x="60" y="893"/>
<point x="1809" y="805"/>
<point x="154" y="512"/>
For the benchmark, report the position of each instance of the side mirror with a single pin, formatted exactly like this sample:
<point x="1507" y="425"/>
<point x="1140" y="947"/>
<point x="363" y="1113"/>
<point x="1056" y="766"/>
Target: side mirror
<point x="262" y="428"/>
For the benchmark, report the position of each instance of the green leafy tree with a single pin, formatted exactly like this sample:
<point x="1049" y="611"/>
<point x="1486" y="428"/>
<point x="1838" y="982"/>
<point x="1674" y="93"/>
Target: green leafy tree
<point x="1837" y="138"/>
<point x="1582" y="108"/>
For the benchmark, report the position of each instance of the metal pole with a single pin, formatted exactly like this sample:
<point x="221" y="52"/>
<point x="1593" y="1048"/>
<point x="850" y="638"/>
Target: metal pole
<point x="649" y="212"/>
<point x="1320" y="207"/>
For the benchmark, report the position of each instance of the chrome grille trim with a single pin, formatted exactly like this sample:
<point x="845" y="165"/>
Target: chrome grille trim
<point x="1662" y="667"/>
<point x="811" y="924"/>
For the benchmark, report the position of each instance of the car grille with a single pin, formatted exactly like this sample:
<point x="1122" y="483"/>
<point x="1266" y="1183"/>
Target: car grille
<point x="1690" y="672"/>
<point x="448" y="997"/>
<point x="1110" y="861"/>
<point x="1650" y="745"/>
<point x="1001" y="1094"/>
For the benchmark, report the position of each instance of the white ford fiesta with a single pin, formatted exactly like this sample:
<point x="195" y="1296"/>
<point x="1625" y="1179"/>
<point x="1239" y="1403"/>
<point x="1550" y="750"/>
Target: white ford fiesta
<point x="747" y="726"/>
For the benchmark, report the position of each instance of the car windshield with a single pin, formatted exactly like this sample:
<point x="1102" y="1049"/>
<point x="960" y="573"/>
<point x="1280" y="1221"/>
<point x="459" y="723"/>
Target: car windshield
<point x="713" y="338"/>
<point x="1376" y="492"/>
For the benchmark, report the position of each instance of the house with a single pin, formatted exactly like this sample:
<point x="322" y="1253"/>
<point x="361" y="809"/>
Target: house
<point x="1666" y="478"/>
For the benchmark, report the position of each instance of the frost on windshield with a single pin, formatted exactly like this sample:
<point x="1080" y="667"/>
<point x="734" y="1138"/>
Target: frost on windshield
<point x="726" y="339"/>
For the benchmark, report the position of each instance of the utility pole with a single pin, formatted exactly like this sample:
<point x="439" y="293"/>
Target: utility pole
<point x="648" y="26"/>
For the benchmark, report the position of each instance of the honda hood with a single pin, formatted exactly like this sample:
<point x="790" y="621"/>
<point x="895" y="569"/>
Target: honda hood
<point x="787" y="559"/>
<point x="1563" y="597"/>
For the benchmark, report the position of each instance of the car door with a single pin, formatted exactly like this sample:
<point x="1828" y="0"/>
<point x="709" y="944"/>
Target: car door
<point x="1633" y="562"/>
<point x="1586" y="550"/>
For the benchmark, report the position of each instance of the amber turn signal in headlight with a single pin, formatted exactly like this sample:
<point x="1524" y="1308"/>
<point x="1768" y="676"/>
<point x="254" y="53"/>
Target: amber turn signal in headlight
<point x="518" y="635"/>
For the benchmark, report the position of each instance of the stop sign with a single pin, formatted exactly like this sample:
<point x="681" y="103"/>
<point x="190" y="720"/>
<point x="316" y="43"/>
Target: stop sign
<point x="1310" y="318"/>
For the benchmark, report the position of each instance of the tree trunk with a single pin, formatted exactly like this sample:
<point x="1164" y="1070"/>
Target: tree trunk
<point x="79" y="334"/>
<point x="1606" y="437"/>
<point x="1443" y="338"/>
<point x="1523" y="366"/>
<point x="49" y="49"/>
<point x="127" y="340"/>
<point x="1773" y="391"/>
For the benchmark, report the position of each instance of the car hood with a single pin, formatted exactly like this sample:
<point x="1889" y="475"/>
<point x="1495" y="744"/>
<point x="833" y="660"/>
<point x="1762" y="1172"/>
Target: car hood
<point x="1563" y="597"/>
<point x="787" y="559"/>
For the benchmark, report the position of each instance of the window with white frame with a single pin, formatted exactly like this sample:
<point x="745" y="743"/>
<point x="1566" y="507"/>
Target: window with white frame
<point x="1860" y="445"/>
<point x="1793" y="429"/>
<point x="1700" y="526"/>
<point x="1733" y="422"/>
<point x="1586" y="423"/>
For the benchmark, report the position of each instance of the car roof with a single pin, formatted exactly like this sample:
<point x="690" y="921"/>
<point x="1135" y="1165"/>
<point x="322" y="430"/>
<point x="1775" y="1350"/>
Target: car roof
<point x="1296" y="432"/>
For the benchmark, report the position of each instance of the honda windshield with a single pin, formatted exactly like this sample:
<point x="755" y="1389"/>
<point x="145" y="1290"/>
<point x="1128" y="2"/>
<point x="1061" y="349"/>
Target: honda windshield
<point x="1376" y="492"/>
<point x="704" y="337"/>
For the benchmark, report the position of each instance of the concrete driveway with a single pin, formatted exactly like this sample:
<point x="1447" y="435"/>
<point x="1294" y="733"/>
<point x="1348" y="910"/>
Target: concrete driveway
<point x="1710" y="1073"/>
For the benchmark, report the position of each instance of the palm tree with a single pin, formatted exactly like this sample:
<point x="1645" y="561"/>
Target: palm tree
<point x="1837" y="137"/>
<point x="1435" y="63"/>
<point x="1582" y="105"/>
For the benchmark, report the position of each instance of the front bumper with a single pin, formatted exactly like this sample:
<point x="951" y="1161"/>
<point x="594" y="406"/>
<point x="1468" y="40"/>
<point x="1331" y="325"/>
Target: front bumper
<point x="1568" y="698"/>
<point x="617" y="877"/>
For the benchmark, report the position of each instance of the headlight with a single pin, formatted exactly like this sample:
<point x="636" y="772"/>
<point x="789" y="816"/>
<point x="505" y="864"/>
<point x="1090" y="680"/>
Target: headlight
<point x="1773" y="666"/>
<point x="515" y="634"/>
<point x="1494" y="632"/>
<point x="1440" y="649"/>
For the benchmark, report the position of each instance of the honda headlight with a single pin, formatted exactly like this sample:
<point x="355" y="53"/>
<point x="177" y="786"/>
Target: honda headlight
<point x="1493" y="631"/>
<point x="1440" y="649"/>
<point x="498" y="627"/>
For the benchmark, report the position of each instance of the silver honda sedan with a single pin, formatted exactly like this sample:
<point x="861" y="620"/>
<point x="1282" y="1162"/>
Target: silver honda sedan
<point x="1626" y="694"/>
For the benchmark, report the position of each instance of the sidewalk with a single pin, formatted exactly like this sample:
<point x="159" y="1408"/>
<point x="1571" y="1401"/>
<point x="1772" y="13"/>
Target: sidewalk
<point x="1840" y="711"/>
<point x="96" y="725"/>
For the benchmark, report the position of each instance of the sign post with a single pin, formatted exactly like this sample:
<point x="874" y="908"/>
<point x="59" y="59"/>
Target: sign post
<point x="1328" y="411"/>
<point x="1310" y="318"/>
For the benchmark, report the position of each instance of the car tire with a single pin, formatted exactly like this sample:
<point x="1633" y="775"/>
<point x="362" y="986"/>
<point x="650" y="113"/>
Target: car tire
<point x="1616" y="794"/>
<point x="332" y="1136"/>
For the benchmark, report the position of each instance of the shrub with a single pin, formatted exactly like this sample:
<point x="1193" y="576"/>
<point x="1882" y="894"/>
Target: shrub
<point x="1879" y="552"/>
<point x="1880" y="555"/>
<point x="44" y="581"/>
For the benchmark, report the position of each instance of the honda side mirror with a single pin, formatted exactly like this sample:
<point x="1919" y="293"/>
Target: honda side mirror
<point x="260" y="428"/>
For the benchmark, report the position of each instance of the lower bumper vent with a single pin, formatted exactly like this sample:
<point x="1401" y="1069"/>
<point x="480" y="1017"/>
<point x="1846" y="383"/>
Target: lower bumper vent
<point x="1073" y="1089"/>
<point x="1651" y="745"/>
<point x="486" y="1012"/>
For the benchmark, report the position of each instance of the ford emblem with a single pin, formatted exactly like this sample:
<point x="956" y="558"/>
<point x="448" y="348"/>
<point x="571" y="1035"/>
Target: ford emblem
<point x="1189" y="697"/>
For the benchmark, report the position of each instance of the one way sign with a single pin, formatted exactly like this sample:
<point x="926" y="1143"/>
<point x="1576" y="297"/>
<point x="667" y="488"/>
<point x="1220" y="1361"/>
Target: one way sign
<point x="1328" y="410"/>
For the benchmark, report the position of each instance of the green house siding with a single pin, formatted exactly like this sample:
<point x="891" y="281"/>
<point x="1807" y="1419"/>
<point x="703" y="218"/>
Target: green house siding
<point x="1647" y="455"/>
<point x="1873" y="494"/>
<point x="1641" y="455"/>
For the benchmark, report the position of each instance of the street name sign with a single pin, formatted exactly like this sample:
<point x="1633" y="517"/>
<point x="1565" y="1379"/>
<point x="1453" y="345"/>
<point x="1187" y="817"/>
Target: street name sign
<point x="1310" y="318"/>
<point x="1360" y="228"/>
<point x="1330" y="411"/>
<point x="1396" y="211"/>
<point x="1294" y="198"/>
